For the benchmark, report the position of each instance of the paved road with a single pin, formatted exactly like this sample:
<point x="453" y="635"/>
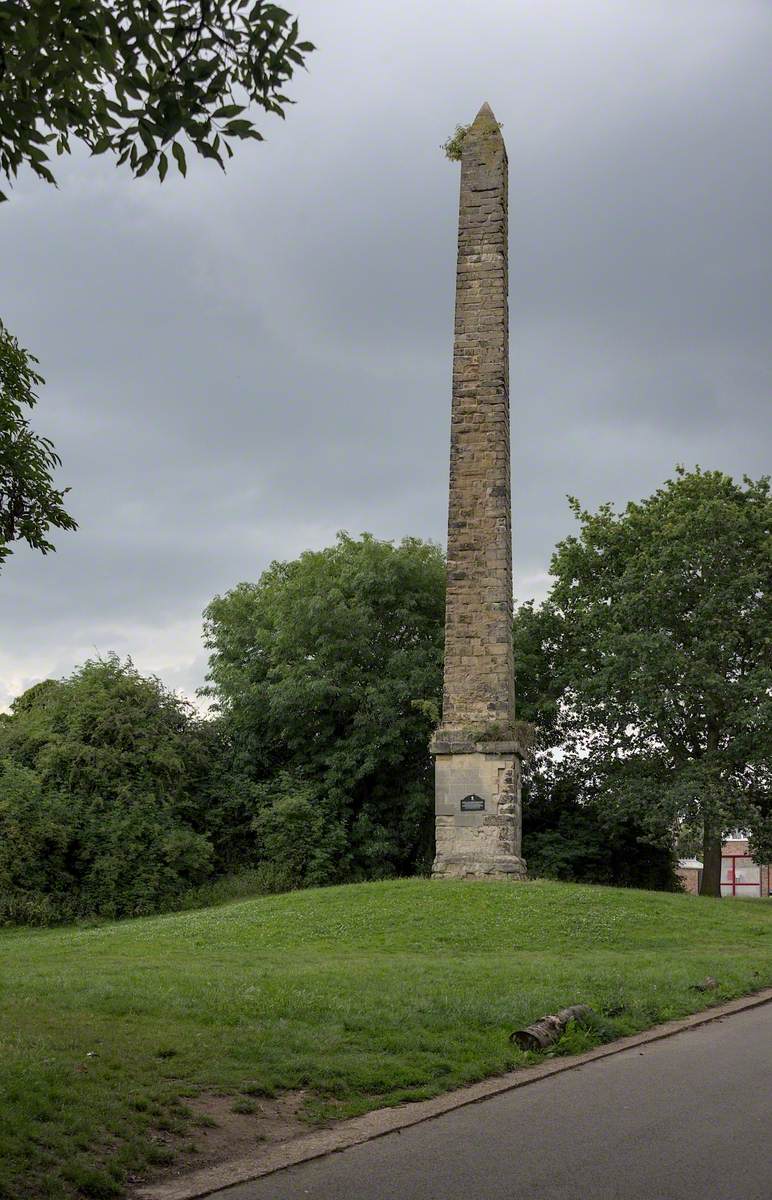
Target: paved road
<point x="689" y="1118"/>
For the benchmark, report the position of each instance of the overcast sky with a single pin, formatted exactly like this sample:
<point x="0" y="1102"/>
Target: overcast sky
<point x="239" y="365"/>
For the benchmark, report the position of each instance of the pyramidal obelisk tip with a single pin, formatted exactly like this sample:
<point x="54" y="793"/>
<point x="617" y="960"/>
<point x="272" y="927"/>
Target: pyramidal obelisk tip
<point x="485" y="121"/>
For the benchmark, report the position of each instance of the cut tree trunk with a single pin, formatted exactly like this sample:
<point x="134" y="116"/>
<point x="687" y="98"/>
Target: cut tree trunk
<point x="711" y="864"/>
<point x="547" y="1030"/>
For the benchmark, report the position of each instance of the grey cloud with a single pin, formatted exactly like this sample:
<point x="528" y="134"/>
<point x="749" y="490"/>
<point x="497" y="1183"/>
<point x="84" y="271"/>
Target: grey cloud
<point x="239" y="366"/>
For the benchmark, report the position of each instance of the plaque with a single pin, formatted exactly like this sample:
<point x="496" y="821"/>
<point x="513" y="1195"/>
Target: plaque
<point x="472" y="804"/>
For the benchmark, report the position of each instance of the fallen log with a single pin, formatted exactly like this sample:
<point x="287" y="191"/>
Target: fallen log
<point x="547" y="1030"/>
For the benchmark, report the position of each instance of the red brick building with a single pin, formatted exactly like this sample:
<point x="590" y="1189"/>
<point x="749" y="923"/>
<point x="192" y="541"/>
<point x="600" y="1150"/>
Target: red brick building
<point x="740" y="875"/>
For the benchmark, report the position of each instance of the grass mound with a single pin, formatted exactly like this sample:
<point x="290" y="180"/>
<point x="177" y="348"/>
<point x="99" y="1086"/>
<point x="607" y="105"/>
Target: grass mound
<point x="363" y="995"/>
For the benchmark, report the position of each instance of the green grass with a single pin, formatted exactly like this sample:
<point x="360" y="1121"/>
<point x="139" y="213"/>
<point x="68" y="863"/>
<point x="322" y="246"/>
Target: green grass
<point x="364" y="995"/>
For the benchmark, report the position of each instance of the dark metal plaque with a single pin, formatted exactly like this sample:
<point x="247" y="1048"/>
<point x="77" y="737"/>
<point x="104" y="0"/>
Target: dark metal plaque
<point x="472" y="804"/>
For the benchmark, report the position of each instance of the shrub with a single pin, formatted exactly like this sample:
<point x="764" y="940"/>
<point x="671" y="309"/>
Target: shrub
<point x="299" y="836"/>
<point x="566" y="839"/>
<point x="101" y="797"/>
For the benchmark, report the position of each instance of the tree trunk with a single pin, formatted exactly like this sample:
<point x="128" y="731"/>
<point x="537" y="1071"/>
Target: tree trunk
<point x="711" y="838"/>
<point x="548" y="1029"/>
<point x="711" y="863"/>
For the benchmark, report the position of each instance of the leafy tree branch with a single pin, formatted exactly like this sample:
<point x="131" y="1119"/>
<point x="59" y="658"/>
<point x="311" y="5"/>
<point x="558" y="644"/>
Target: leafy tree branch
<point x="30" y="504"/>
<point x="133" y="78"/>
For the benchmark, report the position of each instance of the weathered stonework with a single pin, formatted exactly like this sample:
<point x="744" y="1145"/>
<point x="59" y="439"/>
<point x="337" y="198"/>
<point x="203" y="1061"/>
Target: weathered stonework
<point x="479" y="748"/>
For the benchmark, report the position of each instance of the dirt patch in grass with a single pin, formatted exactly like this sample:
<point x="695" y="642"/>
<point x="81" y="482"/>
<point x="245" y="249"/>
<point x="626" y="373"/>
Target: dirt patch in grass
<point x="223" y="1127"/>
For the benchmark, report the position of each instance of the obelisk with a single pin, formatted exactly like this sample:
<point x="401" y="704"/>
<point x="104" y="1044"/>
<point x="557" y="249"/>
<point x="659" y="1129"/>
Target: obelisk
<point x="479" y="747"/>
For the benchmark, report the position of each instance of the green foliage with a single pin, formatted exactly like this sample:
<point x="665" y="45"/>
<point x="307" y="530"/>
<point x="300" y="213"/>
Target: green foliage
<point x="661" y="620"/>
<point x="566" y="839"/>
<point x="101" y="800"/>
<point x="263" y="880"/>
<point x="536" y="641"/>
<point x="29" y="503"/>
<point x="131" y="78"/>
<point x="565" y="835"/>
<point x="315" y="670"/>
<point x="453" y="146"/>
<point x="647" y="675"/>
<point x="297" y="834"/>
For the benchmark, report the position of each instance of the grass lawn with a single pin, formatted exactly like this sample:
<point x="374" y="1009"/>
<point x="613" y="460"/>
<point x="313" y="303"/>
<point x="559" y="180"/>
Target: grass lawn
<point x="364" y="995"/>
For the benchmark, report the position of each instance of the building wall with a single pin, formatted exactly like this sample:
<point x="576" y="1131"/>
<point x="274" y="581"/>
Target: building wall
<point x="690" y="877"/>
<point x="735" y="848"/>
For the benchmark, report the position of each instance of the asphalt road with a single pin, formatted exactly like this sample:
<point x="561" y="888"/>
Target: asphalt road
<point x="688" y="1118"/>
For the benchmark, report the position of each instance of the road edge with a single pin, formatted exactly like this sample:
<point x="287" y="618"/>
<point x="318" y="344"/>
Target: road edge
<point x="382" y="1121"/>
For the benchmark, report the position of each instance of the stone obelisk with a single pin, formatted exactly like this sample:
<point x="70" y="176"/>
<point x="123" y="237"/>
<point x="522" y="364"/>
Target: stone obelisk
<point x="478" y="747"/>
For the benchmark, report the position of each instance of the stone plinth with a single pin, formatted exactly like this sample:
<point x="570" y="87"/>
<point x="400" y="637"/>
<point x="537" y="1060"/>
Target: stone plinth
<point x="478" y="807"/>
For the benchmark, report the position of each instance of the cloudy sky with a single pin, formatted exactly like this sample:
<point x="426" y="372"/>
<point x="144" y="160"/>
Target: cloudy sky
<point x="240" y="365"/>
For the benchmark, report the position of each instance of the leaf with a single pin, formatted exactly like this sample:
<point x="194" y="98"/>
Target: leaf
<point x="145" y="163"/>
<point x="240" y="128"/>
<point x="147" y="137"/>
<point x="163" y="166"/>
<point x="208" y="151"/>
<point x="179" y="158"/>
<point x="229" y="110"/>
<point x="112" y="74"/>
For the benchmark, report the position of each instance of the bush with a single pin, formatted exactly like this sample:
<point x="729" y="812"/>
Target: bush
<point x="298" y="835"/>
<point x="263" y="880"/>
<point x="102" y="804"/>
<point x="566" y="839"/>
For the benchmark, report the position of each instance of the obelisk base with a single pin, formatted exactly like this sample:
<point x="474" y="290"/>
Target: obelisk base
<point x="478" y="822"/>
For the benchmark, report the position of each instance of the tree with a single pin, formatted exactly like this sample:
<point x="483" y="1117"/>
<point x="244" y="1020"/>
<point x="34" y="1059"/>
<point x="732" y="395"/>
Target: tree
<point x="131" y="77"/>
<point x="30" y="505"/>
<point x="566" y="834"/>
<point x="664" y="657"/>
<point x="325" y="672"/>
<point x="102" y="797"/>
